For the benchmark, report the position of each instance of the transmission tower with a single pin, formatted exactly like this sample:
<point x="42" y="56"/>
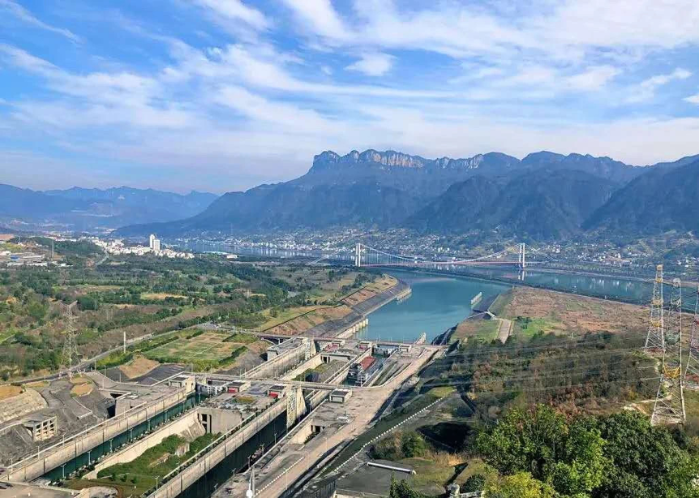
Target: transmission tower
<point x="70" y="348"/>
<point x="691" y="375"/>
<point x="669" y="402"/>
<point x="655" y="341"/>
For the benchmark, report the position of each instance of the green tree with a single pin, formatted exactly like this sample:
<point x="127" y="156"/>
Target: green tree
<point x="520" y="485"/>
<point x="645" y="461"/>
<point x="582" y="466"/>
<point x="525" y="441"/>
<point x="402" y="490"/>
<point x="36" y="309"/>
<point x="413" y="445"/>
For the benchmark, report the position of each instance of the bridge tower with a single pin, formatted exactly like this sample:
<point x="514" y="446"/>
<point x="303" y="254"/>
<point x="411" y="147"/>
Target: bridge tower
<point x="691" y="375"/>
<point x="669" y="403"/>
<point x="655" y="340"/>
<point x="522" y="256"/>
<point x="358" y="255"/>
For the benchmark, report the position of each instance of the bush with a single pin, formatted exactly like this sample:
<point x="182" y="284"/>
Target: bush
<point x="474" y="483"/>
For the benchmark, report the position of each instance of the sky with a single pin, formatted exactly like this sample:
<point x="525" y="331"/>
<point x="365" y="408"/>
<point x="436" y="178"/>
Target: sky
<point x="222" y="95"/>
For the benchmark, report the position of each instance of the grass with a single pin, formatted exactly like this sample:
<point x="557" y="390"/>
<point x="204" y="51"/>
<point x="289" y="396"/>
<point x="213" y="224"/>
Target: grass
<point x="7" y="334"/>
<point x="206" y="347"/>
<point x="285" y="315"/>
<point x="441" y="392"/>
<point x="476" y="466"/>
<point x="428" y="473"/>
<point x="501" y="302"/>
<point x="476" y="329"/>
<point x="141" y="474"/>
<point x="529" y="327"/>
<point x="241" y="338"/>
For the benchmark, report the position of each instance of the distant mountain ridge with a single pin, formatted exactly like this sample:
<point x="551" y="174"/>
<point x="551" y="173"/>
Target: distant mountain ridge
<point x="544" y="195"/>
<point x="81" y="208"/>
<point x="664" y="199"/>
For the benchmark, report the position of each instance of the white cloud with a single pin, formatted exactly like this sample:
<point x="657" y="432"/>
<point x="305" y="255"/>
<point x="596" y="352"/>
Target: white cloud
<point x="375" y="64"/>
<point x="236" y="10"/>
<point x="694" y="99"/>
<point x="646" y="89"/>
<point x="593" y="78"/>
<point x="320" y="17"/>
<point x="19" y="12"/>
<point x="98" y="98"/>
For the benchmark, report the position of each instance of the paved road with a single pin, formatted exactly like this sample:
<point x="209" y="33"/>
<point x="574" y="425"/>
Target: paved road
<point x="361" y="408"/>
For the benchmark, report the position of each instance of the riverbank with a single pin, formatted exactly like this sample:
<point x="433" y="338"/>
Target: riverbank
<point x="359" y="311"/>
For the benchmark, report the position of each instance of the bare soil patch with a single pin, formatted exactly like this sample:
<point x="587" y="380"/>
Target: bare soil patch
<point x="137" y="367"/>
<point x="8" y="391"/>
<point x="563" y="313"/>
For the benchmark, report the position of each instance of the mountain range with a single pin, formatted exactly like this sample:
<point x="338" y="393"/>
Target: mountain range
<point x="545" y="196"/>
<point x="82" y="209"/>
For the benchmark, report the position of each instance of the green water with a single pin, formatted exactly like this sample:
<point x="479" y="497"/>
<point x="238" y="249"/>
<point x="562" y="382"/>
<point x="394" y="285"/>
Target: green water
<point x="437" y="303"/>
<point x="440" y="301"/>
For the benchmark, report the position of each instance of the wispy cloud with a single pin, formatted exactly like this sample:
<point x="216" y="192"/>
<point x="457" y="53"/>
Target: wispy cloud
<point x="249" y="91"/>
<point x="235" y="10"/>
<point x="375" y="64"/>
<point x="15" y="10"/>
<point x="646" y="89"/>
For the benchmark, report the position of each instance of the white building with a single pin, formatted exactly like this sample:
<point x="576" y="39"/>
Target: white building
<point x="151" y="241"/>
<point x="156" y="245"/>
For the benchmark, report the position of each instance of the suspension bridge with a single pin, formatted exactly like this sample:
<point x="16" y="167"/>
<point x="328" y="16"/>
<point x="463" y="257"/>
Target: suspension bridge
<point x="366" y="256"/>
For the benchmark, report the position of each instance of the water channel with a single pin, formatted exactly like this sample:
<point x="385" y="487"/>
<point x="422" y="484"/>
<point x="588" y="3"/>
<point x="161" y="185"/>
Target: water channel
<point x="440" y="300"/>
<point x="436" y="304"/>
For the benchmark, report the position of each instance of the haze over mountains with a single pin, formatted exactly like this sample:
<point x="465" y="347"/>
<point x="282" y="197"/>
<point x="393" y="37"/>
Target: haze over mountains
<point x="544" y="196"/>
<point x="84" y="209"/>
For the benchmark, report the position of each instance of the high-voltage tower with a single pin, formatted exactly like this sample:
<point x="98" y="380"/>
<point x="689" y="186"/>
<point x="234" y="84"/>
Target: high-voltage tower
<point x="655" y="341"/>
<point x="691" y="375"/>
<point x="669" y="402"/>
<point x="70" y="347"/>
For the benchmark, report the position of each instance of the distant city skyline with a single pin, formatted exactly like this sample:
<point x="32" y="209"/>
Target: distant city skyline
<point x="217" y="95"/>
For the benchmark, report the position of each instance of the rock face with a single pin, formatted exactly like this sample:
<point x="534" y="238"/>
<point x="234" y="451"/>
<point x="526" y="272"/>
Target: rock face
<point x="545" y="195"/>
<point x="392" y="159"/>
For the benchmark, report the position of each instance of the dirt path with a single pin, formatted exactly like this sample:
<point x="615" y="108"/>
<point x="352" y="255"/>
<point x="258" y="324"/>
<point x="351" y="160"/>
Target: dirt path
<point x="505" y="329"/>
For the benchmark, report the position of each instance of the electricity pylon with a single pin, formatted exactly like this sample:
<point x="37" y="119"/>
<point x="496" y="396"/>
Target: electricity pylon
<point x="655" y="341"/>
<point x="669" y="402"/>
<point x="691" y="375"/>
<point x="70" y="348"/>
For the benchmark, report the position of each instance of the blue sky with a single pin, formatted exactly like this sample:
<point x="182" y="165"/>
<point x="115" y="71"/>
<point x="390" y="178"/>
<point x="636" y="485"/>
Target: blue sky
<point x="222" y="95"/>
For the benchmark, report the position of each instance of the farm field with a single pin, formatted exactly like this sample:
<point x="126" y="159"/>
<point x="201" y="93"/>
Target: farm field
<point x="209" y="346"/>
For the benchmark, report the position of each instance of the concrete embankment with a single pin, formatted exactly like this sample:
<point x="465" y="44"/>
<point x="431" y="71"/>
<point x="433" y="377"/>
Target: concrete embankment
<point x="186" y="424"/>
<point x="357" y="319"/>
<point x="191" y="474"/>
<point x="280" y="364"/>
<point x="49" y="459"/>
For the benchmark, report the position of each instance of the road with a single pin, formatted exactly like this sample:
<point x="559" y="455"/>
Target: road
<point x="360" y="408"/>
<point x="505" y="329"/>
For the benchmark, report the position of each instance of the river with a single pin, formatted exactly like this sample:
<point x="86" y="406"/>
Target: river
<point x="440" y="301"/>
<point x="437" y="303"/>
